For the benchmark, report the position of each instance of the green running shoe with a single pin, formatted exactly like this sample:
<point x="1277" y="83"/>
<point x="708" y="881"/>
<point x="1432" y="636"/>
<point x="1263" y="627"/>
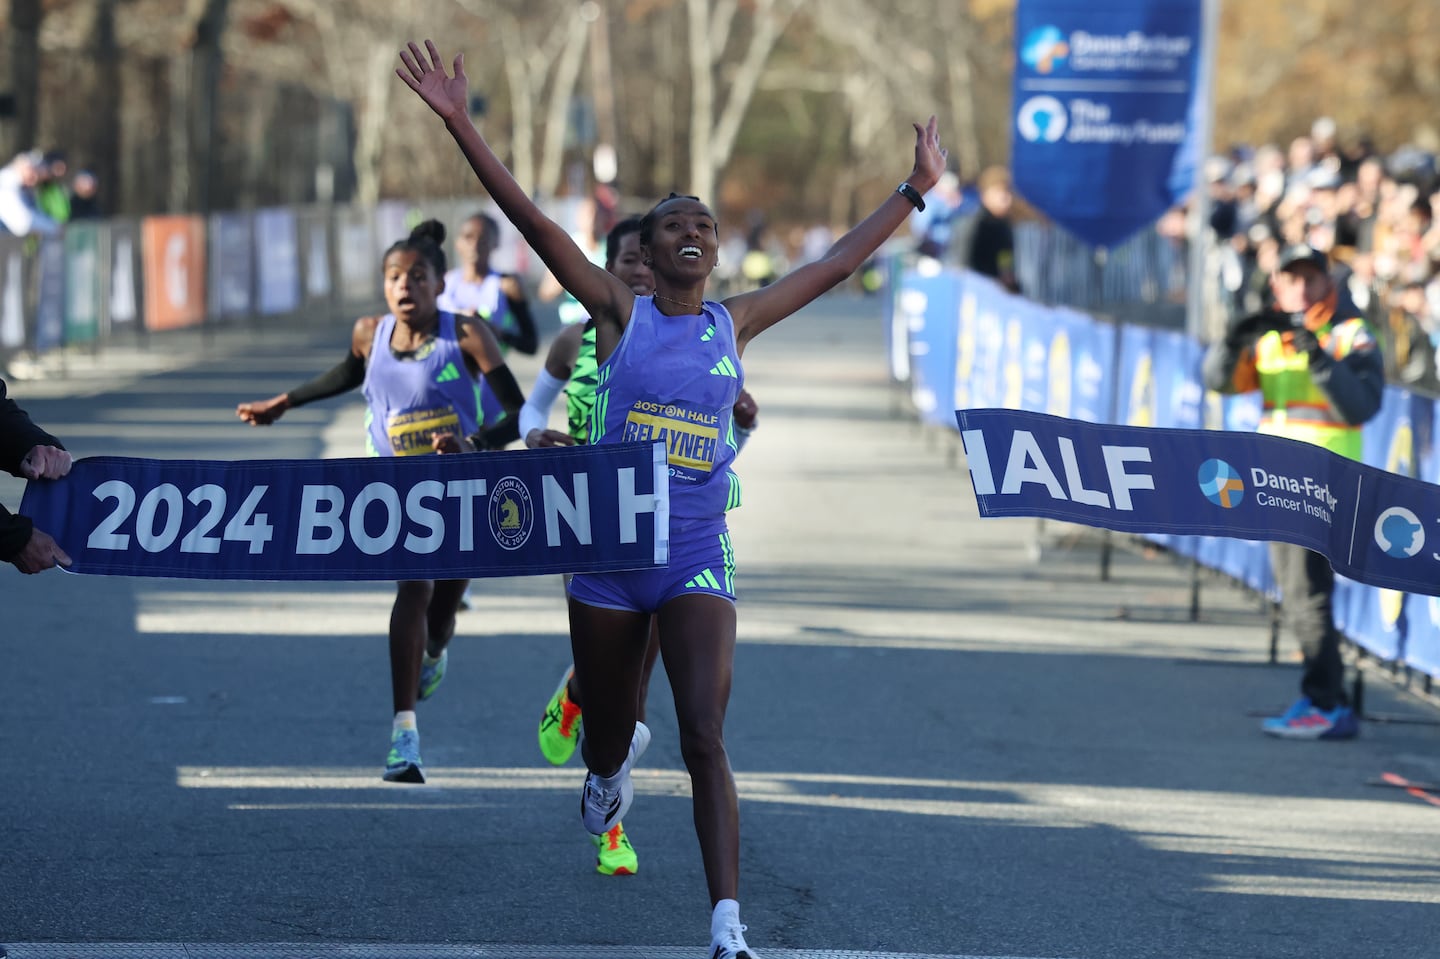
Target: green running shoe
<point x="614" y="856"/>
<point x="432" y="671"/>
<point x="403" y="763"/>
<point x="560" y="724"/>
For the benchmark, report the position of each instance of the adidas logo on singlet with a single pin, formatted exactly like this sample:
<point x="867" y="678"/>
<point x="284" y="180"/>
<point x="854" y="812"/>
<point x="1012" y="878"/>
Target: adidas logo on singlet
<point x="709" y="334"/>
<point x="448" y="374"/>
<point x="724" y="368"/>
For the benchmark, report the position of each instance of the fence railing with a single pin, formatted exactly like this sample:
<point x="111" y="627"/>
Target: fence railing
<point x="121" y="280"/>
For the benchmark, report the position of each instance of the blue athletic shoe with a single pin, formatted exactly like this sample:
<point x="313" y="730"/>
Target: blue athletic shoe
<point x="432" y="671"/>
<point x="1304" y="721"/>
<point x="403" y="764"/>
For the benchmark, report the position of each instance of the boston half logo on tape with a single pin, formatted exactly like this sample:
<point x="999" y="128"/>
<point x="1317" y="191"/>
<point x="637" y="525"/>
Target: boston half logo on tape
<point x="512" y="513"/>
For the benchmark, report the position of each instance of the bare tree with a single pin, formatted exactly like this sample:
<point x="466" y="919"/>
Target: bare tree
<point x="910" y="63"/>
<point x="195" y="84"/>
<point x="97" y="138"/>
<point x="543" y="54"/>
<point x="23" y="46"/>
<point x="712" y="131"/>
<point x="358" y="48"/>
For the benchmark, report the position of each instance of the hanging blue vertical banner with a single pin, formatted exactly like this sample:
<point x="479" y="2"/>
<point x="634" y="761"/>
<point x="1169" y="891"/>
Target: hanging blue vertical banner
<point x="1106" y="97"/>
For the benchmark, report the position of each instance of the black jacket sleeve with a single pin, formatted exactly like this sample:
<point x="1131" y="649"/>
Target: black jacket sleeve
<point x="14" y="533"/>
<point x="1355" y="384"/>
<point x="18" y="436"/>
<point x="506" y="429"/>
<point x="340" y="378"/>
<point x="523" y="340"/>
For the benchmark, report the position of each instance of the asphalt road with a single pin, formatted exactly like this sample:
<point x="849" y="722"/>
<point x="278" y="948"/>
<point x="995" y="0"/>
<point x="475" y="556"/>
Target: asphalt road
<point x="944" y="747"/>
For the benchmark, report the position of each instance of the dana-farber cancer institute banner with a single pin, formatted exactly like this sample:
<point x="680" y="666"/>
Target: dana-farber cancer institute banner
<point x="1375" y="527"/>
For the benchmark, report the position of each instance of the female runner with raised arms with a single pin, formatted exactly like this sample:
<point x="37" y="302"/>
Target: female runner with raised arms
<point x="668" y="362"/>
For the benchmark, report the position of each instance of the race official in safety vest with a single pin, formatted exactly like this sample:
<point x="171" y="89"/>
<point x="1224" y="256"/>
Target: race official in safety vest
<point x="1321" y="376"/>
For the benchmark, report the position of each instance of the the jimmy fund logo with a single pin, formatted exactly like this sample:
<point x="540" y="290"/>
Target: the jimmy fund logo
<point x="1042" y="119"/>
<point x="1399" y="532"/>
<point x="1221" y="484"/>
<point x="512" y="513"/>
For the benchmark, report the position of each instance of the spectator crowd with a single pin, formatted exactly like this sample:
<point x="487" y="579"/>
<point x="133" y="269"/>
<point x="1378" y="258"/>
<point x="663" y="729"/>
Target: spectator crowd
<point x="1374" y="214"/>
<point x="39" y="194"/>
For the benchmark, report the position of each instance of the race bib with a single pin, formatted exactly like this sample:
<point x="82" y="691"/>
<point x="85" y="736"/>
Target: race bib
<point x="691" y="436"/>
<point x="410" y="432"/>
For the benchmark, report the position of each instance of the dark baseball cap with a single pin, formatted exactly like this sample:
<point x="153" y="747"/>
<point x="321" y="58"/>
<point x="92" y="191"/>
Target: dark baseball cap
<point x="1295" y="255"/>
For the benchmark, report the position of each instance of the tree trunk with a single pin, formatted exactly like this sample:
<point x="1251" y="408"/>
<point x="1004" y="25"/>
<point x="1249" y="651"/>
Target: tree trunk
<point x="370" y="140"/>
<point x="703" y="51"/>
<point x="101" y="143"/>
<point x="567" y="72"/>
<point x="712" y="133"/>
<point x="602" y="82"/>
<point x="522" y="111"/>
<point x="769" y="25"/>
<point x="21" y="80"/>
<point x="209" y="63"/>
<point x="178" y="134"/>
<point x="959" y="75"/>
<point x="195" y="81"/>
<point x="259" y="121"/>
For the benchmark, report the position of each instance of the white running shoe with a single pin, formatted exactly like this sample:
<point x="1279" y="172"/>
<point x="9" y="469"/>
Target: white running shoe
<point x="730" y="944"/>
<point x="601" y="808"/>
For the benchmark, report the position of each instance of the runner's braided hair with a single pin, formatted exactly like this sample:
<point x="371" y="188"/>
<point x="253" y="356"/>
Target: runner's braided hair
<point x="427" y="239"/>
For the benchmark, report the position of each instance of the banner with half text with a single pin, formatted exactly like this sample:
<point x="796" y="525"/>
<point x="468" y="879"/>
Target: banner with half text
<point x="563" y="510"/>
<point x="1373" y="525"/>
<point x="1105" y="101"/>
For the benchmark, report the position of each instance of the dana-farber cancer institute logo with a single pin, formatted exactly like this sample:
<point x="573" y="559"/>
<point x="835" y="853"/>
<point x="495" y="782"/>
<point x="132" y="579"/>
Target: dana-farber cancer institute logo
<point x="1044" y="49"/>
<point x="1221" y="483"/>
<point x="1399" y="533"/>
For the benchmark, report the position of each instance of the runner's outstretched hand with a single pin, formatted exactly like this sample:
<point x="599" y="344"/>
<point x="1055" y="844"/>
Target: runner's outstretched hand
<point x="423" y="73"/>
<point x="929" y="157"/>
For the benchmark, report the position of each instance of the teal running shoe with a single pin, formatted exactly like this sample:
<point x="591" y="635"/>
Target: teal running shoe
<point x="403" y="764"/>
<point x="432" y="671"/>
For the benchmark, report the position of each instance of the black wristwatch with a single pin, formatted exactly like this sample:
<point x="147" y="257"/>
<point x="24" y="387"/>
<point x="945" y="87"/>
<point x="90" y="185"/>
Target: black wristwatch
<point x="911" y="194"/>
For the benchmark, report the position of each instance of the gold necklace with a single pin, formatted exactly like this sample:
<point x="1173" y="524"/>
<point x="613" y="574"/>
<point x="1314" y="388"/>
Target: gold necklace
<point x="671" y="299"/>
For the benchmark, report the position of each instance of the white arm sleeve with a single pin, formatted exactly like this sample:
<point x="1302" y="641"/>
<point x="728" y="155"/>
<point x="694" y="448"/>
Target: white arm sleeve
<point x="535" y="414"/>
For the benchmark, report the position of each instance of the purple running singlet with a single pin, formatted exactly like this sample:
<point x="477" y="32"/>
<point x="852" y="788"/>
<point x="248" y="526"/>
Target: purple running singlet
<point x="676" y="379"/>
<point x="409" y="398"/>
